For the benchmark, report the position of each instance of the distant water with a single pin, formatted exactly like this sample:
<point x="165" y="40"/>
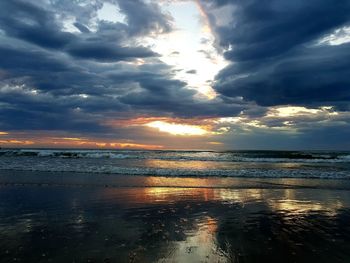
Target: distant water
<point x="264" y="164"/>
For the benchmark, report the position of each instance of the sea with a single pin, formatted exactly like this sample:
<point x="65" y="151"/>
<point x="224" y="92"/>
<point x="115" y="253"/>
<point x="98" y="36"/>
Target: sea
<point x="174" y="163"/>
<point x="65" y="205"/>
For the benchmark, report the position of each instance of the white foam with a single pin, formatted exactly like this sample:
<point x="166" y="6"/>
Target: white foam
<point x="251" y="157"/>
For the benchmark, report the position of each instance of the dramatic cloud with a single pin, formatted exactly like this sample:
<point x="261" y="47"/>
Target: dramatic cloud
<point x="275" y="52"/>
<point x="48" y="73"/>
<point x="82" y="69"/>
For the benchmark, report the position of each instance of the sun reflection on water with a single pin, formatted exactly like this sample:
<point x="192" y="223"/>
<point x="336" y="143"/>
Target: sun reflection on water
<point x="178" y="224"/>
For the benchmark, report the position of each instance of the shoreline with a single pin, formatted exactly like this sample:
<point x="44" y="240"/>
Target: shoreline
<point x="10" y="177"/>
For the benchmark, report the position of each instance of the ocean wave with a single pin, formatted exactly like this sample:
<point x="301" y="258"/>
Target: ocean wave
<point x="236" y="156"/>
<point x="64" y="154"/>
<point x="177" y="163"/>
<point x="246" y="173"/>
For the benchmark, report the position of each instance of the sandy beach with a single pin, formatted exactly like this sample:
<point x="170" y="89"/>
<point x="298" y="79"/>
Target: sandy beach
<point x="61" y="217"/>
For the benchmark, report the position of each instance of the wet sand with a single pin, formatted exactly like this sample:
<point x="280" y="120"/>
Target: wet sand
<point x="66" y="217"/>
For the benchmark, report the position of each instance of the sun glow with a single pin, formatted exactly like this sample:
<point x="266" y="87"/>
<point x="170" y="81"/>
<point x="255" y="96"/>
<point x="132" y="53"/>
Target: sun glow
<point x="291" y="111"/>
<point x="73" y="139"/>
<point x="192" y="52"/>
<point x="16" y="142"/>
<point x="44" y="141"/>
<point x="177" y="129"/>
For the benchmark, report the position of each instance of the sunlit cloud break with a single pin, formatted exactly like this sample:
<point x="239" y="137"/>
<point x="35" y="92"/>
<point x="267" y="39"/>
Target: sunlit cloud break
<point x="177" y="129"/>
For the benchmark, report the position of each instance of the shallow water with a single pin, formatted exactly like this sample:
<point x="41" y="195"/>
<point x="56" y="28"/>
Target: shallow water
<point x="247" y="164"/>
<point x="173" y="224"/>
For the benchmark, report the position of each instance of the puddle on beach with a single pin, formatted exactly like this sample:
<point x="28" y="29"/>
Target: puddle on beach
<point x="155" y="224"/>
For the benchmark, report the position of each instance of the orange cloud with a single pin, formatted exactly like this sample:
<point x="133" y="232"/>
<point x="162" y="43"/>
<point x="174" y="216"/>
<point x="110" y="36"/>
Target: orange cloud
<point x="145" y="133"/>
<point x="215" y="143"/>
<point x="177" y="129"/>
<point x="92" y="143"/>
<point x="174" y="126"/>
<point x="16" y="142"/>
<point x="205" y="123"/>
<point x="73" y="139"/>
<point x="140" y="121"/>
<point x="74" y="142"/>
<point x="207" y="26"/>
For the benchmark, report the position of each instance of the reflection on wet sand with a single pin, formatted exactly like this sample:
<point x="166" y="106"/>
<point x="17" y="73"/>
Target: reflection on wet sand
<point x="168" y="224"/>
<point x="286" y="200"/>
<point x="105" y="180"/>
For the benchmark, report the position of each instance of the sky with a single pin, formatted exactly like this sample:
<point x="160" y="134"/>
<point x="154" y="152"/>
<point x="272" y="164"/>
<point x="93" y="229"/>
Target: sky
<point x="175" y="74"/>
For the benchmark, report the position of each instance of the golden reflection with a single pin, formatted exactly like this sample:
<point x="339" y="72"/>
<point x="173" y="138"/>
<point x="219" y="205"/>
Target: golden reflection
<point x="191" y="192"/>
<point x="207" y="228"/>
<point x="168" y="194"/>
<point x="176" y="182"/>
<point x="157" y="194"/>
<point x="152" y="195"/>
<point x="277" y="201"/>
<point x="193" y="165"/>
<point x="289" y="194"/>
<point x="295" y="206"/>
<point x="290" y="203"/>
<point x="154" y="189"/>
<point x="241" y="196"/>
<point x="3" y="133"/>
<point x="211" y="224"/>
<point x="200" y="244"/>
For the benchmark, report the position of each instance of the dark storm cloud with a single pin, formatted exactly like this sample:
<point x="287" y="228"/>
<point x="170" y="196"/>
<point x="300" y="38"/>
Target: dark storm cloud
<point x="311" y="77"/>
<point x="58" y="80"/>
<point x="108" y="52"/>
<point x="23" y="61"/>
<point x="39" y="120"/>
<point x="156" y="94"/>
<point x="27" y="21"/>
<point x="82" y="28"/>
<point x="310" y="135"/>
<point x="276" y="59"/>
<point x="51" y="79"/>
<point x="143" y="18"/>
<point x="31" y="23"/>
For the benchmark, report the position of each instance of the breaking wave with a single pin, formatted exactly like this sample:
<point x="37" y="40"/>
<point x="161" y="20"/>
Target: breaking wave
<point x="254" y="164"/>
<point x="234" y="156"/>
